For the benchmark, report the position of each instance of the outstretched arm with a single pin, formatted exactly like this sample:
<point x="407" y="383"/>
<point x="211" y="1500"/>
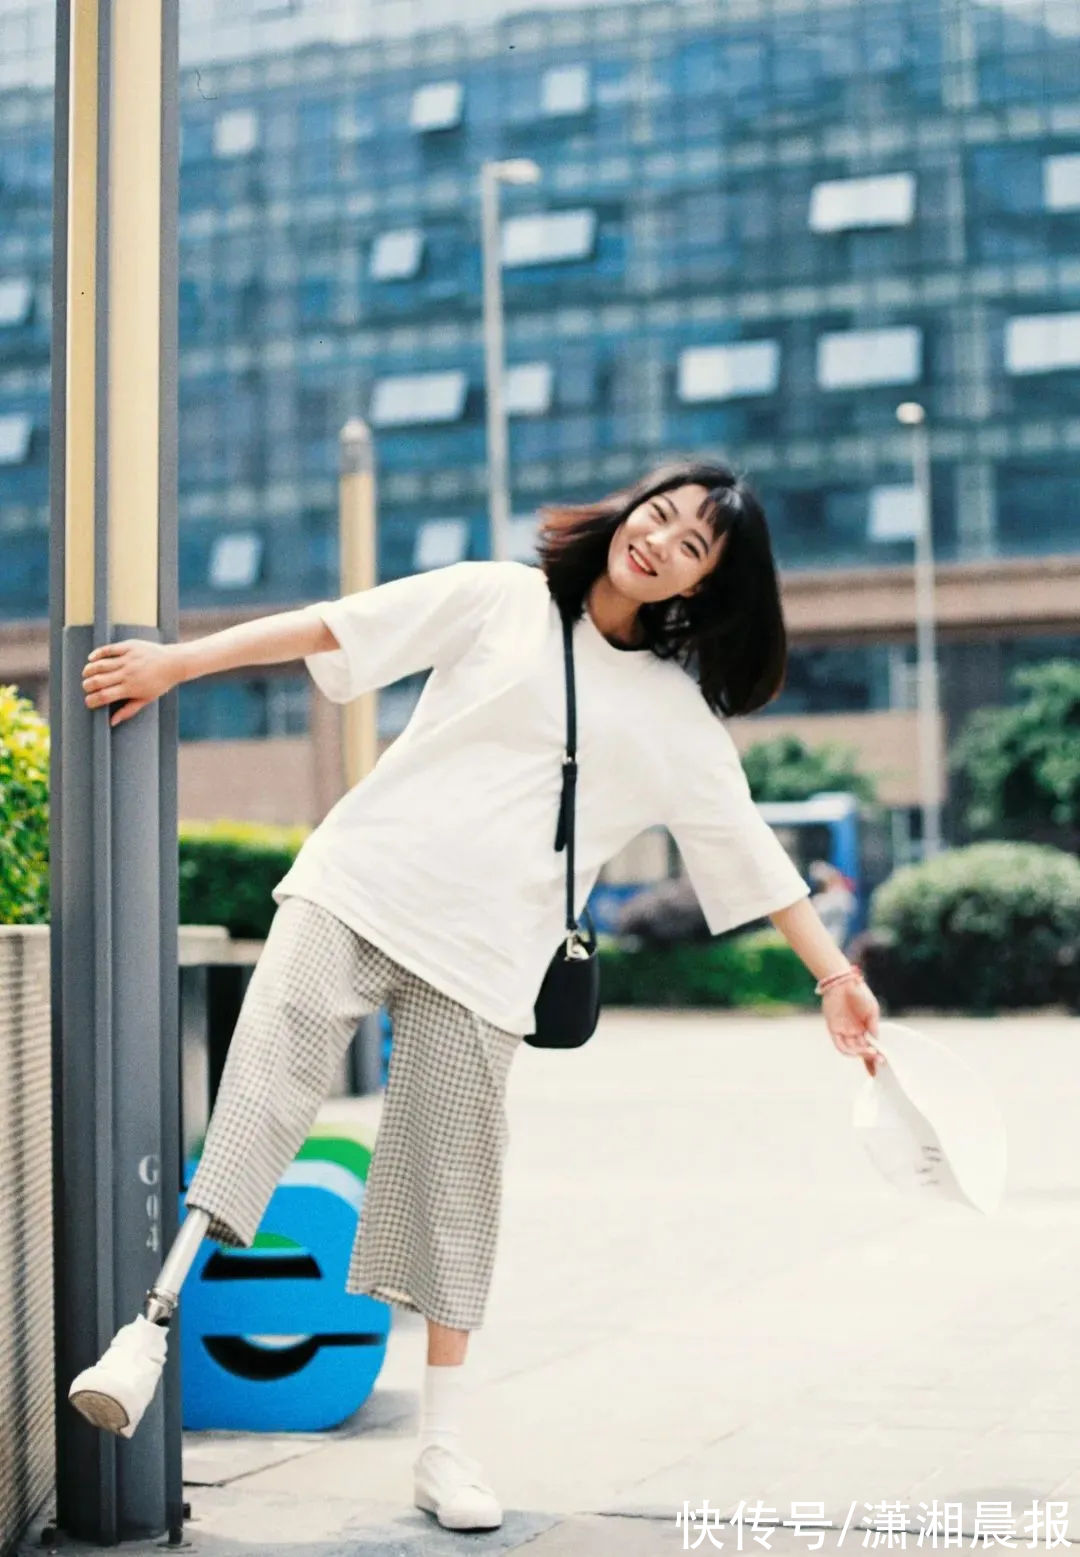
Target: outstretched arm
<point x="850" y="1010"/>
<point x="135" y="671"/>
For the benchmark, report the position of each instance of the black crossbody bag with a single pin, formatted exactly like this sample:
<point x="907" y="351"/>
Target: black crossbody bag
<point x="568" y="1005"/>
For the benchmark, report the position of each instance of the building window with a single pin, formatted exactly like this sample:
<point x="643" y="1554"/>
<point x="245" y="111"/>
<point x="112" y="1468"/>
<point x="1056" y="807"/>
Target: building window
<point x="437" y="106"/>
<point x="355" y="123"/>
<point x="855" y="678"/>
<point x="522" y="537"/>
<point x="15" y="434"/>
<point x="1042" y="343"/>
<point x="894" y="513"/>
<point x="287" y="702"/>
<point x="1021" y="652"/>
<point x="236" y="133"/>
<point x="839" y="204"/>
<point x="315" y="121"/>
<point x="411" y="398"/>
<point x="853" y="359"/>
<point x="1038" y="501"/>
<point x="16" y="298"/>
<point x="190" y="309"/>
<point x="576" y="383"/>
<point x="396" y="256"/>
<point x="565" y="89"/>
<point x="528" y="388"/>
<point x="725" y="372"/>
<point x="548" y="236"/>
<point x="237" y="709"/>
<point x="1061" y="182"/>
<point x="440" y="542"/>
<point x="235" y="560"/>
<point x="315" y="300"/>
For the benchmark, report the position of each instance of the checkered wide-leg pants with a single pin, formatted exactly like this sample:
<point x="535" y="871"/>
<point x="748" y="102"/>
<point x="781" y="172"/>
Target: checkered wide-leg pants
<point x="429" y="1222"/>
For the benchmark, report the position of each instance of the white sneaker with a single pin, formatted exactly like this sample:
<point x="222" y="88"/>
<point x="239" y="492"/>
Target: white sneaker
<point x="451" y="1486"/>
<point x="116" y="1391"/>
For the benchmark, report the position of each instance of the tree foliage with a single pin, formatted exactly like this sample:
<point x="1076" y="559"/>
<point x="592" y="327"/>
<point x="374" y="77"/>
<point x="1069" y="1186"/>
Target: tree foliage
<point x="785" y="768"/>
<point x="1020" y="765"/>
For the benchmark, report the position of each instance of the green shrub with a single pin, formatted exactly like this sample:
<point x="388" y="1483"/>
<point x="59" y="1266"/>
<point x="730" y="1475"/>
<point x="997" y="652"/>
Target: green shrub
<point x="228" y="870"/>
<point x="755" y="969"/>
<point x="24" y="811"/>
<point x="993" y="925"/>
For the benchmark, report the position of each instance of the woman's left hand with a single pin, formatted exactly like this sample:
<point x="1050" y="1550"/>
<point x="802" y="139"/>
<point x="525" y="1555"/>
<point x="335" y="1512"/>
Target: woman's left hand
<point x="851" y="1015"/>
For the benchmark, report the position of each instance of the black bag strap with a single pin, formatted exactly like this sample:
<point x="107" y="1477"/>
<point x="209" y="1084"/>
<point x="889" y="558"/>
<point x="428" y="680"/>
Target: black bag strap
<point x="564" y="831"/>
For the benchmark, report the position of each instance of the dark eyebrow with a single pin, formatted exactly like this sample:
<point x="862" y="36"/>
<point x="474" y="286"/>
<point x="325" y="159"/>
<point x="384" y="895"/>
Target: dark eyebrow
<point x="675" y="515"/>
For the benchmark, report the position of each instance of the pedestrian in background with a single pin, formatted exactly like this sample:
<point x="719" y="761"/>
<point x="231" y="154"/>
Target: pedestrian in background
<point x="432" y="886"/>
<point x="833" y="899"/>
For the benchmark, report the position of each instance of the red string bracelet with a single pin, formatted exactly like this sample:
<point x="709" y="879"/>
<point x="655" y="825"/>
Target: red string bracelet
<point x="853" y="972"/>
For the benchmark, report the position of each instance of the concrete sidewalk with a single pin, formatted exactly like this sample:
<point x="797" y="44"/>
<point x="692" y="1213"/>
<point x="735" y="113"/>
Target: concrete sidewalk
<point x="704" y="1291"/>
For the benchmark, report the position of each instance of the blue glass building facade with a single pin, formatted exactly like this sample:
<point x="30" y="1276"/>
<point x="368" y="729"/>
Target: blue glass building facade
<point x="760" y="226"/>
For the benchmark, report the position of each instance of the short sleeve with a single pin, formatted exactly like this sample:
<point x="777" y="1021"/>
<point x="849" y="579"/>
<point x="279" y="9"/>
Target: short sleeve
<point x="395" y="629"/>
<point x="736" y="864"/>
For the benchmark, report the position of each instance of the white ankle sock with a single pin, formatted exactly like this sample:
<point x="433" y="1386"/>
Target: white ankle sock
<point x="442" y="1404"/>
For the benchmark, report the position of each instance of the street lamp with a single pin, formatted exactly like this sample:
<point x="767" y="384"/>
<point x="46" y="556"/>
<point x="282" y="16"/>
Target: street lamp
<point x="518" y="170"/>
<point x="912" y="414"/>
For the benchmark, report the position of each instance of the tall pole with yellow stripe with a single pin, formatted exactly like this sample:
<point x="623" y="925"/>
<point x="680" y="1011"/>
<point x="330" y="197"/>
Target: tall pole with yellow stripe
<point x="357" y="542"/>
<point x="113" y="827"/>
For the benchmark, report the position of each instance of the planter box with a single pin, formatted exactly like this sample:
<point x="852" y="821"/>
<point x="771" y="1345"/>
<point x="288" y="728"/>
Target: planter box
<point x="27" y="1431"/>
<point x="27" y="1438"/>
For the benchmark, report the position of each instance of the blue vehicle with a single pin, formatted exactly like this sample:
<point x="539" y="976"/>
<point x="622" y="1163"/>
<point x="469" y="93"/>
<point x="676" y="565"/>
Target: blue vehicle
<point x="825" y="827"/>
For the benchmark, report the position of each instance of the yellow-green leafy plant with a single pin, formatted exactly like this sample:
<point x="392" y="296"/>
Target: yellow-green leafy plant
<point x="24" y="811"/>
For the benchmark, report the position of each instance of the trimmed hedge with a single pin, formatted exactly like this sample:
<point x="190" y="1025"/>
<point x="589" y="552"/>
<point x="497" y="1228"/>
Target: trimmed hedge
<point x="758" y="968"/>
<point x="988" y="927"/>
<point x="228" y="871"/>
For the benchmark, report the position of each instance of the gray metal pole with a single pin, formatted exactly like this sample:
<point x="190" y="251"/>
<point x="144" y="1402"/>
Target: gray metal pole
<point x="929" y="723"/>
<point x="498" y="455"/>
<point x="365" y="1057"/>
<point x="115" y="1019"/>
<point x="172" y="1149"/>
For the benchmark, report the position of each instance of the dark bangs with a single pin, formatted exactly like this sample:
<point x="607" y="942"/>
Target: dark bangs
<point x="730" y="636"/>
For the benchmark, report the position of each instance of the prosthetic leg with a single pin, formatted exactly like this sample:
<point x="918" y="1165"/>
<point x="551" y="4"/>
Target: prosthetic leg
<point x="163" y="1296"/>
<point x="115" y="1392"/>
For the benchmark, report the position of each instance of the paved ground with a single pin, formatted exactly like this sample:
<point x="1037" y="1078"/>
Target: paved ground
<point x="704" y="1291"/>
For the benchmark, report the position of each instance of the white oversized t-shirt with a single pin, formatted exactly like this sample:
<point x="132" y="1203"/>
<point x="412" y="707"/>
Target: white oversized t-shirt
<point x="443" y="855"/>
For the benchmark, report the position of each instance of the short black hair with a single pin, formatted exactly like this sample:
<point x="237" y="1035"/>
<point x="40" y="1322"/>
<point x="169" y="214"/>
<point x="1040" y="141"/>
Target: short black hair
<point x="730" y="634"/>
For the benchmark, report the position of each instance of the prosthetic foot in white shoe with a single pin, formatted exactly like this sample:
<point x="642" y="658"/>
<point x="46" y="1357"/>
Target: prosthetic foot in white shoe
<point x="451" y="1486"/>
<point x="116" y="1391"/>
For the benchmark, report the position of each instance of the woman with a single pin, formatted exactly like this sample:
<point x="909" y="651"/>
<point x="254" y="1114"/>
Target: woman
<point x="433" y="886"/>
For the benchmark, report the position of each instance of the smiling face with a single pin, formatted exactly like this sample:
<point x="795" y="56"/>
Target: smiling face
<point x="664" y="534"/>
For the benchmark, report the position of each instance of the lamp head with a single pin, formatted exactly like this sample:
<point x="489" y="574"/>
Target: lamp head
<point x="911" y="413"/>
